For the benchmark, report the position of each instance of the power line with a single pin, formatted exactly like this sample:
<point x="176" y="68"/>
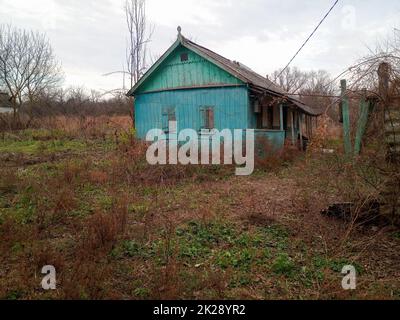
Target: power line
<point x="349" y="69"/>
<point x="308" y="39"/>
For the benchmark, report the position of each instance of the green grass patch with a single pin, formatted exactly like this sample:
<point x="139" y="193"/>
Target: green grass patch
<point x="335" y="265"/>
<point x="23" y="209"/>
<point x="34" y="147"/>
<point x="283" y="264"/>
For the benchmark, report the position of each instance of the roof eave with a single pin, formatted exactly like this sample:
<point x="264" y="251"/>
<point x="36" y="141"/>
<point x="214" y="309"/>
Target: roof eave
<point x="306" y="109"/>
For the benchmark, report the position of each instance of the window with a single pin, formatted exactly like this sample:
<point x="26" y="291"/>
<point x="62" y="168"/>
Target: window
<point x="184" y="57"/>
<point x="207" y="115"/>
<point x="168" y="115"/>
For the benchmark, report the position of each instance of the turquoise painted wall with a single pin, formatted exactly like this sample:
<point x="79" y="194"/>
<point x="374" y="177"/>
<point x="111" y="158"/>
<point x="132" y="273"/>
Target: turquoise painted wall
<point x="276" y="138"/>
<point x="230" y="106"/>
<point x="196" y="72"/>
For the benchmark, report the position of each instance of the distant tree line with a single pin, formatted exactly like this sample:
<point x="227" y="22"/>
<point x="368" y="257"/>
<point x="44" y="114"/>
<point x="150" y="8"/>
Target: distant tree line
<point x="28" y="67"/>
<point x="31" y="79"/>
<point x="314" y="88"/>
<point x="77" y="101"/>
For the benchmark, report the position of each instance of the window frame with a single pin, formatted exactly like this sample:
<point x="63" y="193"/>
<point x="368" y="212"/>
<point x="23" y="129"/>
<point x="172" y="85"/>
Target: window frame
<point x="207" y="114"/>
<point x="168" y="115"/>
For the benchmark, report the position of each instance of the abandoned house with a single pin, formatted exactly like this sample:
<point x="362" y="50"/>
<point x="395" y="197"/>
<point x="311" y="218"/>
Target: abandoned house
<point x="199" y="89"/>
<point x="5" y="104"/>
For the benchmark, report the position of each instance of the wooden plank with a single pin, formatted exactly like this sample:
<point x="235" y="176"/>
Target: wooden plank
<point x="281" y="116"/>
<point x="392" y="115"/>
<point x="346" y="118"/>
<point x="392" y="139"/>
<point x="292" y="125"/>
<point x="301" y="131"/>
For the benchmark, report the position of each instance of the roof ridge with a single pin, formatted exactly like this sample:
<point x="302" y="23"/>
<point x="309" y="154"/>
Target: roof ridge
<point x="250" y="75"/>
<point x="236" y="69"/>
<point x="271" y="84"/>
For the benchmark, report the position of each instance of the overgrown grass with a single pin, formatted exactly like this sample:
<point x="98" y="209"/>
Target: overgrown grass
<point x="33" y="147"/>
<point x="115" y="227"/>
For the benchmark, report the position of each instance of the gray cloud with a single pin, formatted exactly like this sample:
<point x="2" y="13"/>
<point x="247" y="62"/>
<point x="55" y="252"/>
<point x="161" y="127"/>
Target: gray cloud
<point x="89" y="37"/>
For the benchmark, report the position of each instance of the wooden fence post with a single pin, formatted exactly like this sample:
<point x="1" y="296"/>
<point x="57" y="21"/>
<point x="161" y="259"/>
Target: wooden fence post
<point x="362" y="123"/>
<point x="346" y="118"/>
<point x="390" y="114"/>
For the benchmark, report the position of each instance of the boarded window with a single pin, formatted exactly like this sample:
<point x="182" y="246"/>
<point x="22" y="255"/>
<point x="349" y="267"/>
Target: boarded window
<point x="168" y="115"/>
<point x="207" y="116"/>
<point x="184" y="57"/>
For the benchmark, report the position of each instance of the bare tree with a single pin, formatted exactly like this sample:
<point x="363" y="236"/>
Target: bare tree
<point x="139" y="36"/>
<point x="318" y="91"/>
<point x="363" y="74"/>
<point x="318" y="82"/>
<point x="314" y="88"/>
<point x="28" y="67"/>
<point x="291" y="80"/>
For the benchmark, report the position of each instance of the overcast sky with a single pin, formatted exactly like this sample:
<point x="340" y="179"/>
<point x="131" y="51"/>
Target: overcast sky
<point x="89" y="37"/>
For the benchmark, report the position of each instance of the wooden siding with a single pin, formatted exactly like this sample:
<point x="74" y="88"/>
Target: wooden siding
<point x="195" y="72"/>
<point x="183" y="90"/>
<point x="230" y="105"/>
<point x="276" y="138"/>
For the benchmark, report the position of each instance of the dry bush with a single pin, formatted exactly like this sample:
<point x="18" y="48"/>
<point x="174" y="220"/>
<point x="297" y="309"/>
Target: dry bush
<point x="74" y="171"/>
<point x="86" y="279"/>
<point x="326" y="131"/>
<point x="11" y="233"/>
<point x="103" y="229"/>
<point x="167" y="284"/>
<point x="268" y="158"/>
<point x="85" y="126"/>
<point x="98" y="177"/>
<point x="129" y="164"/>
<point x="64" y="201"/>
<point x="43" y="255"/>
<point x="8" y="181"/>
<point x="73" y="126"/>
<point x="9" y="123"/>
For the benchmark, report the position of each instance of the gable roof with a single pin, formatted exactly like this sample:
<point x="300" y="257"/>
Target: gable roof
<point x="234" y="68"/>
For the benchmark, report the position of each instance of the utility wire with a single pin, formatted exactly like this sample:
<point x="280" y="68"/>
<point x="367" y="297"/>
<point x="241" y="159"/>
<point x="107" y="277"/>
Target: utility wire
<point x="308" y="39"/>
